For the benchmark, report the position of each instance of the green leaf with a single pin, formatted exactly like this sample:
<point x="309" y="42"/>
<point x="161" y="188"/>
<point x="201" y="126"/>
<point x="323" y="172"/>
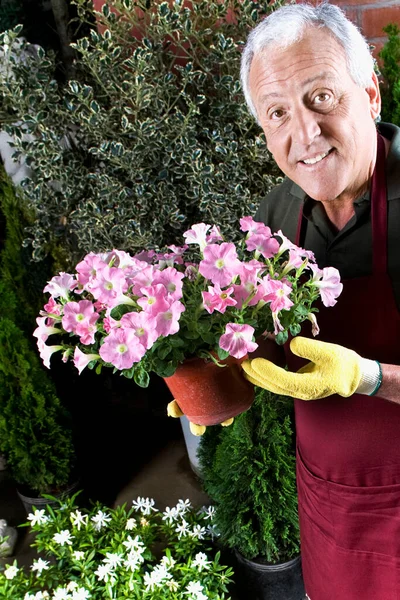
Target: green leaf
<point x="281" y="338"/>
<point x="222" y="354"/>
<point x="141" y="378"/>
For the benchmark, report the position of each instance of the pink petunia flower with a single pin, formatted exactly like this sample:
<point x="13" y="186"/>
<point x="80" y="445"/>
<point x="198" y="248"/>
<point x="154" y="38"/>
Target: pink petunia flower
<point x="237" y="340"/>
<point x="314" y="324"/>
<point x="288" y="245"/>
<point x="217" y="299"/>
<point x="43" y="330"/>
<point x="220" y="263"/>
<point x="122" y="348"/>
<point x="46" y="352"/>
<point x="254" y="227"/>
<point x="88" y="267"/>
<point x="214" y="235"/>
<point x="52" y="307"/>
<point x="277" y="294"/>
<point x="144" y="326"/>
<point x="168" y="320"/>
<point x="171" y="279"/>
<point x="81" y="360"/>
<point x="197" y="235"/>
<point x="61" y="285"/>
<point x="154" y="299"/>
<point x="108" y="285"/>
<point x="78" y="314"/>
<point x="142" y="279"/>
<point x="328" y="282"/>
<point x="266" y="246"/>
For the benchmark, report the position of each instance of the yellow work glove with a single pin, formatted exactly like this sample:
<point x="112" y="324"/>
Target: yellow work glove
<point x="332" y="370"/>
<point x="173" y="410"/>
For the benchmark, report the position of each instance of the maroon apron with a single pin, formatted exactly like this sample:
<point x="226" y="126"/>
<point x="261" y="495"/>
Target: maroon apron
<point x="348" y="459"/>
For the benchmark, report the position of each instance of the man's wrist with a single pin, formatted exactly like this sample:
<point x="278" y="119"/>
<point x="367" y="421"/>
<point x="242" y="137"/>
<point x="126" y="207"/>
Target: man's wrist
<point x="371" y="378"/>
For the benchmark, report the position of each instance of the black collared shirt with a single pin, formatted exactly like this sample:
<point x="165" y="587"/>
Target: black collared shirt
<point x="350" y="249"/>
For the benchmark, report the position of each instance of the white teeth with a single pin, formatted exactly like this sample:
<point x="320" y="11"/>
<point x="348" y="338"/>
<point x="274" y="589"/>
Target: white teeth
<point x="312" y="161"/>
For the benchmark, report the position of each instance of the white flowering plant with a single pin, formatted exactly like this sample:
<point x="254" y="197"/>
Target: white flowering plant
<point x="208" y="298"/>
<point x="100" y="553"/>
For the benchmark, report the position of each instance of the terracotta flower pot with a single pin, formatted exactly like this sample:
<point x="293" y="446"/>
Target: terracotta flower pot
<point x="209" y="394"/>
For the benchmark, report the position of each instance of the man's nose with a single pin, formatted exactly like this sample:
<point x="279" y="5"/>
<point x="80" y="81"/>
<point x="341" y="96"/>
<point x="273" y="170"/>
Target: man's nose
<point x="305" y="126"/>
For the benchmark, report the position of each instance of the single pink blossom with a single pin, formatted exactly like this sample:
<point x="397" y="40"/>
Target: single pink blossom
<point x="110" y="323"/>
<point x="52" y="307"/>
<point x="314" y="324"/>
<point x="61" y="285"/>
<point x="88" y="267"/>
<point x="254" y="227"/>
<point x="214" y="235"/>
<point x="217" y="299"/>
<point x="122" y="348"/>
<point x="328" y="282"/>
<point x="43" y="330"/>
<point x="168" y="320"/>
<point x="87" y="330"/>
<point x="171" y="279"/>
<point x="108" y="285"/>
<point x="121" y="259"/>
<point x="288" y="245"/>
<point x="277" y="294"/>
<point x="220" y="263"/>
<point x="262" y="244"/>
<point x="238" y="340"/>
<point x="197" y="235"/>
<point x="154" y="299"/>
<point x="142" y="279"/>
<point x="146" y="256"/>
<point x="78" y="313"/>
<point x="178" y="250"/>
<point x="168" y="259"/>
<point x="81" y="360"/>
<point x="47" y="351"/>
<point x="144" y="326"/>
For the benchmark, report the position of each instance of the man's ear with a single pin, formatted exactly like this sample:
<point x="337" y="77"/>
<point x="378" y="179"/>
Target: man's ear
<point x="374" y="94"/>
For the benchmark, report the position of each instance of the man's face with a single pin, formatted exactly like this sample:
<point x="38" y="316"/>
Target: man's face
<point x="318" y="123"/>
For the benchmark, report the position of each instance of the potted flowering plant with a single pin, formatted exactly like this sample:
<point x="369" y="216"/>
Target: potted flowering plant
<point x="209" y="299"/>
<point x="100" y="553"/>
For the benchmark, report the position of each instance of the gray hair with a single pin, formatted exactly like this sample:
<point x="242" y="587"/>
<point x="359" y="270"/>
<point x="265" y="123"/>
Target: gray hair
<point x="287" y="25"/>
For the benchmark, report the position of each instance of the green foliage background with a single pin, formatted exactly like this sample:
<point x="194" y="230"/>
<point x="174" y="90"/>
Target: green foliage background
<point x="390" y="55"/>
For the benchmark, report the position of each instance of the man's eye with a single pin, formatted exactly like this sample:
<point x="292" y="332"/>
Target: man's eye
<point x="321" y="98"/>
<point x="276" y="114"/>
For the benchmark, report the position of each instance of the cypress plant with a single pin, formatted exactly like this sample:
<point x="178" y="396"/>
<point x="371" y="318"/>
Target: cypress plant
<point x="249" y="474"/>
<point x="35" y="430"/>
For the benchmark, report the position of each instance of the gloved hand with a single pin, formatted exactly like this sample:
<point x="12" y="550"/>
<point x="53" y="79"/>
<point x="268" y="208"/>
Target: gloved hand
<point x="332" y="370"/>
<point x="173" y="410"/>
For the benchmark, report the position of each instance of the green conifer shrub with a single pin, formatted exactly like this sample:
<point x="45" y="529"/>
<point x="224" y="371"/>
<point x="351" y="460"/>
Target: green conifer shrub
<point x="152" y="136"/>
<point x="36" y="434"/>
<point x="390" y="55"/>
<point x="248" y="472"/>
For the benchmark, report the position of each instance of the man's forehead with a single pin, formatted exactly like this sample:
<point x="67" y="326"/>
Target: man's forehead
<point x="321" y="77"/>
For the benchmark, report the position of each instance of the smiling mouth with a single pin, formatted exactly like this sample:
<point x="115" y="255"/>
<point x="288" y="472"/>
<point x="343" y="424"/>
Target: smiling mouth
<point x="316" y="159"/>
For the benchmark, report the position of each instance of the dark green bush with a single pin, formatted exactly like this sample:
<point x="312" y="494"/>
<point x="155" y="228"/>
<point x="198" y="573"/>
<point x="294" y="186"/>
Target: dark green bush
<point x="152" y="136"/>
<point x="390" y="55"/>
<point x="249" y="474"/>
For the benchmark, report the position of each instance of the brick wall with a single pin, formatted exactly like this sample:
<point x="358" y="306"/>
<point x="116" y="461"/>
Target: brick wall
<point x="370" y="16"/>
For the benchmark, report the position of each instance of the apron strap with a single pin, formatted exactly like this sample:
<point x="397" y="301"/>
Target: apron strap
<point x="378" y="213"/>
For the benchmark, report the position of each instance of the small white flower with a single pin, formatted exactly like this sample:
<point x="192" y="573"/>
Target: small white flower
<point x="78" y="555"/>
<point x="144" y="505"/>
<point x="183" y="506"/>
<point x="170" y="514"/>
<point x="40" y="565"/>
<point x="134" y="544"/>
<point x="78" y="519"/>
<point x="101" y="519"/>
<point x="80" y="594"/>
<point x="198" y="532"/>
<point x="194" y="588"/>
<point x="72" y="586"/>
<point x="172" y="585"/>
<point x="182" y="529"/>
<point x="130" y="524"/>
<point x="212" y="531"/>
<point x="113" y="559"/>
<point x="208" y="512"/>
<point x="133" y="561"/>
<point x="61" y="594"/>
<point x="200" y="561"/>
<point x="38" y="517"/>
<point x="64" y="537"/>
<point x="11" y="572"/>
<point x="105" y="573"/>
<point x="168" y="561"/>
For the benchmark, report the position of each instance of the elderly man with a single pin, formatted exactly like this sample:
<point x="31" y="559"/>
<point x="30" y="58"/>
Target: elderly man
<point x="309" y="80"/>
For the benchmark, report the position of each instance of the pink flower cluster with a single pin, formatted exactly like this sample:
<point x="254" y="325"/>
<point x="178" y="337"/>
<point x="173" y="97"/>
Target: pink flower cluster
<point x="155" y="290"/>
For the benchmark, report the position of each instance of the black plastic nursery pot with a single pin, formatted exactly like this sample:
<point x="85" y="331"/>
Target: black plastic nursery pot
<point x="258" y="581"/>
